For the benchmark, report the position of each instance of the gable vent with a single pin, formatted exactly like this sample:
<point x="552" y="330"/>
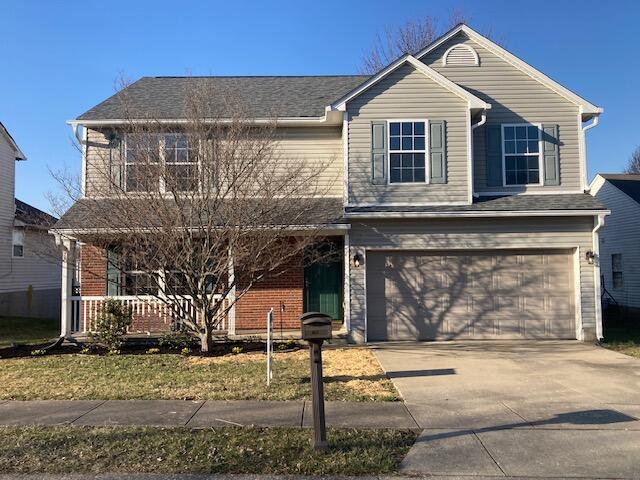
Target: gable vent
<point x="460" y="55"/>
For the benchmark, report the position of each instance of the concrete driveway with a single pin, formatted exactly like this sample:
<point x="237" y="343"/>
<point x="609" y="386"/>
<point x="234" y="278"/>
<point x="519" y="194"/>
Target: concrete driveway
<point x="521" y="409"/>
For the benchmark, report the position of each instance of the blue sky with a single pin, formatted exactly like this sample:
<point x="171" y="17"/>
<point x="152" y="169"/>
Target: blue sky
<point x="62" y="57"/>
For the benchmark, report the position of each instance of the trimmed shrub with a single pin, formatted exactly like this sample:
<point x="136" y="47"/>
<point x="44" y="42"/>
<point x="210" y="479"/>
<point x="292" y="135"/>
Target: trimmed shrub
<point x="111" y="325"/>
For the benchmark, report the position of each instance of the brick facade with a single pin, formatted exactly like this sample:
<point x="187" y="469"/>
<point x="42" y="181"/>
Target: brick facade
<point x="285" y="290"/>
<point x="93" y="270"/>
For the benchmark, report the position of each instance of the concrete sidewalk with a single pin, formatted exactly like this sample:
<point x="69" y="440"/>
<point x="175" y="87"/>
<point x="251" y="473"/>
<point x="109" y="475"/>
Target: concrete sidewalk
<point x="180" y="413"/>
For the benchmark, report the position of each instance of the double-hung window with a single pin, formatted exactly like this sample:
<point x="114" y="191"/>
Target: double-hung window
<point x="521" y="151"/>
<point x="18" y="243"/>
<point x="181" y="163"/>
<point x="407" y="151"/>
<point x="616" y="270"/>
<point x="141" y="162"/>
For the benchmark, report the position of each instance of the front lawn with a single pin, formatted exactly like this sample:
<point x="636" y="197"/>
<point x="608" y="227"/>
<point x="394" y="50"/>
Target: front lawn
<point x="623" y="339"/>
<point x="32" y="331"/>
<point x="350" y="374"/>
<point x="180" y="450"/>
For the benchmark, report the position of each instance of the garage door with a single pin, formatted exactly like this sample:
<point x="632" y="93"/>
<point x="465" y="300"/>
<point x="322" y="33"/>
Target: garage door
<point x="488" y="294"/>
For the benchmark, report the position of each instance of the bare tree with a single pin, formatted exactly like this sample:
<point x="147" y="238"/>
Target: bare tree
<point x="633" y="165"/>
<point x="203" y="213"/>
<point x="410" y="37"/>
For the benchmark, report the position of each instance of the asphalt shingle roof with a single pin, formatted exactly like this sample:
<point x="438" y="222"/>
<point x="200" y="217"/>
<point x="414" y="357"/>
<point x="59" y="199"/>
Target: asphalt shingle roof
<point x="627" y="183"/>
<point x="33" y="216"/>
<point x="578" y="201"/>
<point x="263" y="97"/>
<point x="82" y="214"/>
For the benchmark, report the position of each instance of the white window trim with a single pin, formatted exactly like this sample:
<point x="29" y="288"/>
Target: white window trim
<point x="427" y="139"/>
<point x="162" y="162"/>
<point x="14" y="244"/>
<point x="540" y="157"/>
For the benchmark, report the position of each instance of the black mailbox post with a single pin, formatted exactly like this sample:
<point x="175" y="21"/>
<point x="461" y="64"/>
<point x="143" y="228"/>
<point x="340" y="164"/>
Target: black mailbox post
<point x="316" y="328"/>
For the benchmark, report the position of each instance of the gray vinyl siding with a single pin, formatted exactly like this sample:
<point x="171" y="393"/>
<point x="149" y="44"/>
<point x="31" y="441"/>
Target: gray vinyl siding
<point x="620" y="234"/>
<point x="471" y="234"/>
<point x="515" y="97"/>
<point x="320" y="147"/>
<point x="407" y="94"/>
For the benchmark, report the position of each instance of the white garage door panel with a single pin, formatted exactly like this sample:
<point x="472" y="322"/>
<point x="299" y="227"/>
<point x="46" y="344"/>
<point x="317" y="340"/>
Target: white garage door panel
<point x="489" y="294"/>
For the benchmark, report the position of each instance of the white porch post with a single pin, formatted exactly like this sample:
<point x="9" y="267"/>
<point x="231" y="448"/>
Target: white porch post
<point x="231" y="327"/>
<point x="68" y="267"/>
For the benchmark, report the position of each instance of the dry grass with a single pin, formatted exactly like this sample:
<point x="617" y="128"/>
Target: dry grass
<point x="351" y="374"/>
<point x="57" y="450"/>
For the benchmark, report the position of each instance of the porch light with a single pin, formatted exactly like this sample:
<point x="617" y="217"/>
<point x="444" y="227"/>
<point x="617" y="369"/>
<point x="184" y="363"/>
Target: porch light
<point x="357" y="260"/>
<point x="590" y="256"/>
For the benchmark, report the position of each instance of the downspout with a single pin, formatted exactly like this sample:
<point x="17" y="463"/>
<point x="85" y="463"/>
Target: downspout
<point x="596" y="273"/>
<point x="583" y="141"/>
<point x="483" y="120"/>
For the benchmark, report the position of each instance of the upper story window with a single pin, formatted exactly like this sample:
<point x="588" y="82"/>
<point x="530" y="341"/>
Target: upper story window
<point x="146" y="156"/>
<point x="18" y="244"/>
<point x="407" y="151"/>
<point x="521" y="154"/>
<point x="142" y="162"/>
<point x="180" y="159"/>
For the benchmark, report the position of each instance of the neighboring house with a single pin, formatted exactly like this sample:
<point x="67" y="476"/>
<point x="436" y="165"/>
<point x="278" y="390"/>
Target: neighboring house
<point x="29" y="270"/>
<point x="462" y="178"/>
<point x="620" y="238"/>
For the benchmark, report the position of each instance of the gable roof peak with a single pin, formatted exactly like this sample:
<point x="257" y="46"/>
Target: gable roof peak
<point x="587" y="109"/>
<point x="473" y="101"/>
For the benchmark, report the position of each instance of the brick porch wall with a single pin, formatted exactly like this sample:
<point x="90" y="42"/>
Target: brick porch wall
<point x="93" y="270"/>
<point x="251" y="310"/>
<point x="286" y="289"/>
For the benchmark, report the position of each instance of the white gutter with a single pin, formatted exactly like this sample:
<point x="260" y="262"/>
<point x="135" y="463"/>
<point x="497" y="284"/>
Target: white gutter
<point x="331" y="118"/>
<point x="583" y="141"/>
<point x="596" y="274"/>
<point x="487" y="213"/>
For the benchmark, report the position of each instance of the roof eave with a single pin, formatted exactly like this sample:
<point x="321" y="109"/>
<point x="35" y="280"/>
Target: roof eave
<point x="329" y="118"/>
<point x="486" y="213"/>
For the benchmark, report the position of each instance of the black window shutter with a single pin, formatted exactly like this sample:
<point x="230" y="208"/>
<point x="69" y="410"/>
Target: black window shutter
<point x="493" y="147"/>
<point x="378" y="153"/>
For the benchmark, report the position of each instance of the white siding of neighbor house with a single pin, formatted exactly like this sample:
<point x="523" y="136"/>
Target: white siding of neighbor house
<point x="472" y="234"/>
<point x="515" y="97"/>
<point x="320" y="147"/>
<point x="407" y="94"/>
<point x="30" y="284"/>
<point x="620" y="234"/>
<point x="7" y="204"/>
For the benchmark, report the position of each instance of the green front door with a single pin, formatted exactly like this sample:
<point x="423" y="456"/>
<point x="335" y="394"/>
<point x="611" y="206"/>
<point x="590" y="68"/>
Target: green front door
<point x="323" y="288"/>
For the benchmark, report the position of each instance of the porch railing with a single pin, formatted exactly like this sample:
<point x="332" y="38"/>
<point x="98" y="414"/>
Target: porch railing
<point x="149" y="314"/>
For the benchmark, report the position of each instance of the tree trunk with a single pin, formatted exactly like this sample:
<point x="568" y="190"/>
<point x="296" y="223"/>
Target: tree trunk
<point x="206" y="340"/>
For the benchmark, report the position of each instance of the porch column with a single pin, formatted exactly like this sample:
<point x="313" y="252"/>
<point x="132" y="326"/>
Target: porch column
<point x="231" y="324"/>
<point x="68" y="267"/>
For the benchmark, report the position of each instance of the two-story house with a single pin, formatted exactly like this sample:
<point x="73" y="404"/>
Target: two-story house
<point x="461" y="180"/>
<point x="29" y="267"/>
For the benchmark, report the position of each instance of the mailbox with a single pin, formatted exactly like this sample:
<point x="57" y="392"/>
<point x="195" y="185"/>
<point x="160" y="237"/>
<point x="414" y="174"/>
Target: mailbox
<point x="315" y="326"/>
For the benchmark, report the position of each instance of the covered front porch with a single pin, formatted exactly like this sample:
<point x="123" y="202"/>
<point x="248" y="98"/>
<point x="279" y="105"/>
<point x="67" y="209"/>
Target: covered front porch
<point x="89" y="282"/>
